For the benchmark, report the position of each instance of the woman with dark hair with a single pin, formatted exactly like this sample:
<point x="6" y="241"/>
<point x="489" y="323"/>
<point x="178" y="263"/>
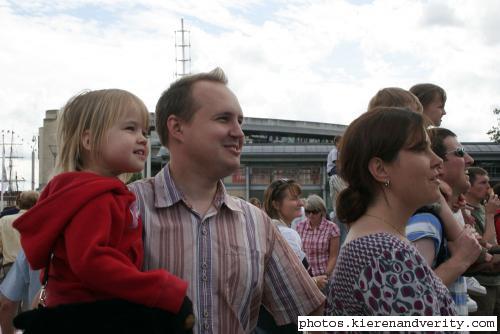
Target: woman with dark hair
<point x="378" y="271"/>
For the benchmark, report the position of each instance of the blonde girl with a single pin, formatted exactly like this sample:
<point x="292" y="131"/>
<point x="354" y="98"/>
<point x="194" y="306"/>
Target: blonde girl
<point x="85" y="231"/>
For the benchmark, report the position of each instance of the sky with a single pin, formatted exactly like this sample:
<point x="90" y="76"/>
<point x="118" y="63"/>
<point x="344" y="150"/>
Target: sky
<point x="304" y="60"/>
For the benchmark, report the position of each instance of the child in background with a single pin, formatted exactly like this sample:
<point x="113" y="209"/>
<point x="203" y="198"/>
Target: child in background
<point x="86" y="232"/>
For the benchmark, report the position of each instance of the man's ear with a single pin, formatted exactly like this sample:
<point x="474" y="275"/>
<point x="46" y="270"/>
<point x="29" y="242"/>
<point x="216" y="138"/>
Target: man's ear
<point x="85" y="139"/>
<point x="378" y="168"/>
<point x="175" y="127"/>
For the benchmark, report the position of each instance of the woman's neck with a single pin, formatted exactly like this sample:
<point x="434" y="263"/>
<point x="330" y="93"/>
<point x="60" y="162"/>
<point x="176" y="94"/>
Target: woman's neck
<point x="285" y="221"/>
<point x="382" y="217"/>
<point x="315" y="224"/>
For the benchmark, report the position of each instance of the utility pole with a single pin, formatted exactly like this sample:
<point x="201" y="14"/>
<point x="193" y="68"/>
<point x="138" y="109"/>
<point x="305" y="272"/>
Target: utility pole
<point x="182" y="51"/>
<point x="33" y="149"/>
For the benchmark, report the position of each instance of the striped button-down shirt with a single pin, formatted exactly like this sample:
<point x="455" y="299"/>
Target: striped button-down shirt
<point x="233" y="258"/>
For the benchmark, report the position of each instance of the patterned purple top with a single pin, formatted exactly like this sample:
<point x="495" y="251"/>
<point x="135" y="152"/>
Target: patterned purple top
<point x="379" y="274"/>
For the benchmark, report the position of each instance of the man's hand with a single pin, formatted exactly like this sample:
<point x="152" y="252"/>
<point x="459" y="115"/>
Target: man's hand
<point x="466" y="248"/>
<point x="492" y="205"/>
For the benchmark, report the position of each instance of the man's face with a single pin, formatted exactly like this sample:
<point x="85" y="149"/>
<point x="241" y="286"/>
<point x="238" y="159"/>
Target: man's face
<point x="213" y="138"/>
<point x="480" y="188"/>
<point x="454" y="166"/>
<point x="435" y="110"/>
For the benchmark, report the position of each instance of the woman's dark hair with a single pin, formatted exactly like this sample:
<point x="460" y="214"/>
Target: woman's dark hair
<point x="276" y="191"/>
<point x="381" y="132"/>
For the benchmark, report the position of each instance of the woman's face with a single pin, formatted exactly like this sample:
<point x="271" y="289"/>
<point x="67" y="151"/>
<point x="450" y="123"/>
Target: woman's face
<point x="414" y="177"/>
<point x="290" y="207"/>
<point x="314" y="216"/>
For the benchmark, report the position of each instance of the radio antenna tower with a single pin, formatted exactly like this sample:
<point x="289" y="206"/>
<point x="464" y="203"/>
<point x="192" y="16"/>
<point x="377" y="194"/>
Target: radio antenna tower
<point x="182" y="52"/>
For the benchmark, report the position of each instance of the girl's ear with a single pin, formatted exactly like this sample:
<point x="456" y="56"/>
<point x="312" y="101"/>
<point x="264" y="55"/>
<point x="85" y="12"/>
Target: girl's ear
<point x="378" y="169"/>
<point x="86" y="140"/>
<point x="175" y="127"/>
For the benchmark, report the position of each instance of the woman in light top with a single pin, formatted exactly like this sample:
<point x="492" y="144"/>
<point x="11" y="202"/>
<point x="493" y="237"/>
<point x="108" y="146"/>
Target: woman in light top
<point x="283" y="204"/>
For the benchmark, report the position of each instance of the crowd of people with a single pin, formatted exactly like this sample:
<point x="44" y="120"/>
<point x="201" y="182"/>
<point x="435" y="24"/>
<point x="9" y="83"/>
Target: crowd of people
<point x="411" y="232"/>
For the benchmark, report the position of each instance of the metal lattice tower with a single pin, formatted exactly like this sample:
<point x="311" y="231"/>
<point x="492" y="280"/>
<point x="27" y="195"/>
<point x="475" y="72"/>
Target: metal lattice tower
<point x="182" y="52"/>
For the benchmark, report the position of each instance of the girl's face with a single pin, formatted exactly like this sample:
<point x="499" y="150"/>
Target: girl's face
<point x="435" y="110"/>
<point x="290" y="207"/>
<point x="125" y="148"/>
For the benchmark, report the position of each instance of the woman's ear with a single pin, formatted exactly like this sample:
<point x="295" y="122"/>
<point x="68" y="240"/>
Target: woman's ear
<point x="85" y="139"/>
<point x="378" y="169"/>
<point x="276" y="205"/>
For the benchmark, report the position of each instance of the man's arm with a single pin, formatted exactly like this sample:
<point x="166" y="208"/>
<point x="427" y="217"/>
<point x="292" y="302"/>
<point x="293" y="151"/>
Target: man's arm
<point x="464" y="252"/>
<point x="320" y="311"/>
<point x="286" y="278"/>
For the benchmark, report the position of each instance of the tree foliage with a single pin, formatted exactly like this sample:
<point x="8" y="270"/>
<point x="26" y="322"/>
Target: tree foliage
<point x="494" y="132"/>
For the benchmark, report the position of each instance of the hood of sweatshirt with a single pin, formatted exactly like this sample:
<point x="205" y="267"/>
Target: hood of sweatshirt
<point x="41" y="226"/>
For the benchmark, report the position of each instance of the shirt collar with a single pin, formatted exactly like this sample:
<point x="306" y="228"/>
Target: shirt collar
<point x="167" y="193"/>
<point x="322" y="224"/>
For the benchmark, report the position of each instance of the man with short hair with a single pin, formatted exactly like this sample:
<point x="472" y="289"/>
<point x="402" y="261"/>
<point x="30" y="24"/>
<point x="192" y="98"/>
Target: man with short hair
<point x="425" y="229"/>
<point x="232" y="255"/>
<point x="479" y="192"/>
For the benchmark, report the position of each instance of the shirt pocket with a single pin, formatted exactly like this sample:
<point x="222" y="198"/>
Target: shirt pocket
<point x="243" y="276"/>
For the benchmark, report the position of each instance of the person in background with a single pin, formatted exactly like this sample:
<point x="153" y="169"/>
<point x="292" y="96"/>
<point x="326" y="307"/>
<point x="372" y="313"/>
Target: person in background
<point x="283" y="204"/>
<point x="488" y="302"/>
<point x="395" y="97"/>
<point x="377" y="259"/>
<point x="496" y="191"/>
<point x="320" y="237"/>
<point x="255" y="201"/>
<point x="19" y="288"/>
<point x="10" y="244"/>
<point x="449" y="256"/>
<point x="335" y="182"/>
<point x="433" y="99"/>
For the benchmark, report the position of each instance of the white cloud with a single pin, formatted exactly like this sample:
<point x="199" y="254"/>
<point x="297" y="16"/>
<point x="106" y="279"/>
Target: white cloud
<point x="306" y="60"/>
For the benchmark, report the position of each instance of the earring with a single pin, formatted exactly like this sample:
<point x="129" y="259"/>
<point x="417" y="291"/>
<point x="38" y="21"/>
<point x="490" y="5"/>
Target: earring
<point x="387" y="183"/>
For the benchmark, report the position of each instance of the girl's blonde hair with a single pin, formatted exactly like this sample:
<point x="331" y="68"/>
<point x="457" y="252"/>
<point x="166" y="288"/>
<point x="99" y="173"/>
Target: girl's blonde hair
<point x="95" y="111"/>
<point x="396" y="97"/>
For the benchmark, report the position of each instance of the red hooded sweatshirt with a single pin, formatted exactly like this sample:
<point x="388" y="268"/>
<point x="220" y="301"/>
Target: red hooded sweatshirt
<point x="85" y="221"/>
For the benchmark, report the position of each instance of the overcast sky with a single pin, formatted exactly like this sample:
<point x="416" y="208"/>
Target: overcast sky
<point x="302" y="60"/>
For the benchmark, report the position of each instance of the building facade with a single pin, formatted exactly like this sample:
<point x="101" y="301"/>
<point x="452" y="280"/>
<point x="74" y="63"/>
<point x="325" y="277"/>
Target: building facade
<point x="273" y="149"/>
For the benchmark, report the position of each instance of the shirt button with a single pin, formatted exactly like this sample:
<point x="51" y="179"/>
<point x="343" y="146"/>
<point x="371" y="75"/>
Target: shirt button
<point x="206" y="325"/>
<point x="204" y="265"/>
<point x="204" y="231"/>
<point x="205" y="314"/>
<point x="204" y="277"/>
